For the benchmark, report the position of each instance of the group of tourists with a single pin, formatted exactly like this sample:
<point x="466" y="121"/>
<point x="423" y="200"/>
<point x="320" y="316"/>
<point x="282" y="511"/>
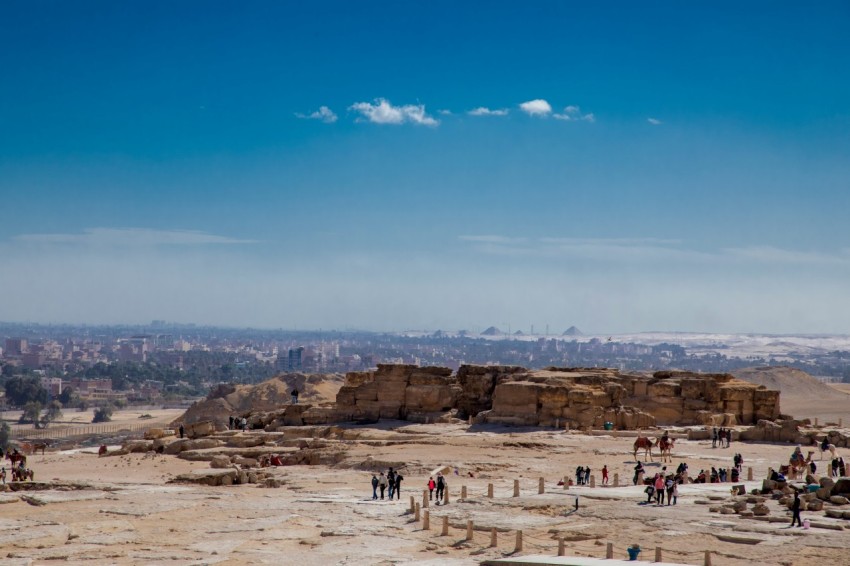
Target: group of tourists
<point x="583" y="475"/>
<point x="839" y="469"/>
<point x="438" y="485"/>
<point x="389" y="483"/>
<point x="18" y="470"/>
<point x="235" y="422"/>
<point x="663" y="485"/>
<point x="722" y="436"/>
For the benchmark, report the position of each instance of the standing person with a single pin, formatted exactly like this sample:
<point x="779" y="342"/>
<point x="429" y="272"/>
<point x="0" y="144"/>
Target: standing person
<point x="441" y="486"/>
<point x="182" y="430"/>
<point x="431" y="485"/>
<point x="729" y="438"/>
<point x="230" y="427"/>
<point x="579" y="475"/>
<point x="842" y="469"/>
<point x="638" y="470"/>
<point x="374" y="487"/>
<point x="670" y="484"/>
<point x="295" y="396"/>
<point x="795" y="510"/>
<point x="587" y="475"/>
<point x="714" y="437"/>
<point x="605" y="474"/>
<point x="659" y="489"/>
<point x="244" y="424"/>
<point x="391" y="482"/>
<point x="674" y="493"/>
<point x="382" y="484"/>
<point x="836" y="468"/>
<point x="398" y="478"/>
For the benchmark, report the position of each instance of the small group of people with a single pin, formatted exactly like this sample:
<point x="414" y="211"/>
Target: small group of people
<point x="438" y="485"/>
<point x="722" y="436"/>
<point x="583" y="475"/>
<point x="662" y="485"/>
<point x="389" y="483"/>
<point x="20" y="472"/>
<point x="267" y="460"/>
<point x="235" y="422"/>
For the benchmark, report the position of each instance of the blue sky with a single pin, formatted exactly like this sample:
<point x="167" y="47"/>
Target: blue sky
<point x="619" y="166"/>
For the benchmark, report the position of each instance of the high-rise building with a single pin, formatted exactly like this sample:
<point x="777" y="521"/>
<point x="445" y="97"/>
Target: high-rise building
<point x="295" y="358"/>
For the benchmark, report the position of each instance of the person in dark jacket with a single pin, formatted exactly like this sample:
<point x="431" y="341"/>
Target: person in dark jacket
<point x="795" y="510"/>
<point x="374" y="486"/>
<point x="398" y="478"/>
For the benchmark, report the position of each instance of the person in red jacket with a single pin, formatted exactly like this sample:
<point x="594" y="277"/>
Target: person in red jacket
<point x="431" y="485"/>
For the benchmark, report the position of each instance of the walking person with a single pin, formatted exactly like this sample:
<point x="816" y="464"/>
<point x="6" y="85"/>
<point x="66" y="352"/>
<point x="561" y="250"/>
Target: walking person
<point x="431" y="485"/>
<point x="674" y="493"/>
<point x="295" y="396"/>
<point x="374" y="487"/>
<point x="795" y="510"/>
<point x="638" y="470"/>
<point x="391" y="482"/>
<point x="398" y="478"/>
<point x="714" y="437"/>
<point x="382" y="484"/>
<point x="670" y="484"/>
<point x="605" y="474"/>
<point x="441" y="487"/>
<point x="659" y="489"/>
<point x="579" y="475"/>
<point x="587" y="475"/>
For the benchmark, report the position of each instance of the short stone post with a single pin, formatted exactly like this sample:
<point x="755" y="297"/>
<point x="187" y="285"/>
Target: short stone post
<point x="658" y="554"/>
<point x="707" y="560"/>
<point x="490" y="490"/>
<point x="616" y="480"/>
<point x="749" y="473"/>
<point x="416" y="513"/>
<point x="829" y="470"/>
<point x="609" y="551"/>
<point x="516" y="488"/>
<point x="561" y="548"/>
<point x="840" y="423"/>
<point x="426" y="521"/>
<point x="493" y="542"/>
<point x="445" y="525"/>
<point x="592" y="480"/>
<point x="816" y="421"/>
<point x="470" y="421"/>
<point x="412" y="504"/>
<point x="425" y="499"/>
<point x="557" y="423"/>
<point x="469" y="529"/>
<point x="566" y="482"/>
<point x="463" y="492"/>
<point x="518" y="547"/>
<point x="540" y="487"/>
<point x="446" y="496"/>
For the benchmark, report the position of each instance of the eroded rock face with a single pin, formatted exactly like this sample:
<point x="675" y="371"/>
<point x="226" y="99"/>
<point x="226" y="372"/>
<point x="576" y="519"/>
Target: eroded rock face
<point x="574" y="397"/>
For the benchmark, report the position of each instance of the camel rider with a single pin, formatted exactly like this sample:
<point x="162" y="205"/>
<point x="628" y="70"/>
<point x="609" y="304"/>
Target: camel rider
<point x="665" y="437"/>
<point x="824" y="446"/>
<point x="797" y="456"/>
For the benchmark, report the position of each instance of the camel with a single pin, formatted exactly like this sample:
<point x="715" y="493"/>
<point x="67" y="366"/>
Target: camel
<point x="644" y="443"/>
<point x="797" y="464"/>
<point x="16" y="457"/>
<point x="827" y="447"/>
<point x="666" y="448"/>
<point x="43" y="445"/>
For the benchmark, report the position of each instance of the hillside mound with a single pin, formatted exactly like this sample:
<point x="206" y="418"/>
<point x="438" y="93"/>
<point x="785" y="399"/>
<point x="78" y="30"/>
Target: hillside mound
<point x="237" y="399"/>
<point x="791" y="382"/>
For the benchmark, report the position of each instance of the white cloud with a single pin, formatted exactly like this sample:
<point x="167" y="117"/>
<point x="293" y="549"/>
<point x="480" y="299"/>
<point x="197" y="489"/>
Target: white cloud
<point x="573" y="113"/>
<point x="444" y="112"/>
<point x="536" y="107"/>
<point x="324" y="114"/>
<point x="654" y="121"/>
<point x="484" y="111"/>
<point x="132" y="237"/>
<point x="383" y="112"/>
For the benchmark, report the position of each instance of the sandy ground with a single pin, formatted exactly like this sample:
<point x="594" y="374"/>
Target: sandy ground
<point x="325" y="515"/>
<point x="73" y="417"/>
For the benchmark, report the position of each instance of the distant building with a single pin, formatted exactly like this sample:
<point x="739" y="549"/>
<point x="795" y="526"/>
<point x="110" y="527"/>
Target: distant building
<point x="53" y="385"/>
<point x="16" y="346"/>
<point x="295" y="359"/>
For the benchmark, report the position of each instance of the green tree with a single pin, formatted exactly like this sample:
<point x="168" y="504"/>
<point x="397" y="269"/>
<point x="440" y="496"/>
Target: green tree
<point x="102" y="414"/>
<point x="67" y="396"/>
<point x="31" y="414"/>
<point x="53" y="413"/>
<point x="21" y="390"/>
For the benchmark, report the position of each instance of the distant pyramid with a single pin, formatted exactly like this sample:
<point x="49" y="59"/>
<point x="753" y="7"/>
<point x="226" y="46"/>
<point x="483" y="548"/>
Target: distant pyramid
<point x="492" y="331"/>
<point x="519" y="333"/>
<point x="572" y="331"/>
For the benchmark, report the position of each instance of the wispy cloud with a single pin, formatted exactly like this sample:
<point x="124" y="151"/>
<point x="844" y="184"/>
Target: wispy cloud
<point x="381" y="111"/>
<point x="537" y="107"/>
<point x="654" y="121"/>
<point x="484" y="111"/>
<point x="444" y="112"/>
<point x="132" y="237"/>
<point x="323" y="114"/>
<point x="574" y="114"/>
<point x="648" y="249"/>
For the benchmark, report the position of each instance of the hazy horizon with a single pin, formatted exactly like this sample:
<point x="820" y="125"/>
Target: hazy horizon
<point x="435" y="166"/>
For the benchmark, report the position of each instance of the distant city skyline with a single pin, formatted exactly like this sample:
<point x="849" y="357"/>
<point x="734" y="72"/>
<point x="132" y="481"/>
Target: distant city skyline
<point x="617" y="167"/>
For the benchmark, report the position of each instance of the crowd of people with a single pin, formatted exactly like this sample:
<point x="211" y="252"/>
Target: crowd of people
<point x="389" y="484"/>
<point x="721" y="436"/>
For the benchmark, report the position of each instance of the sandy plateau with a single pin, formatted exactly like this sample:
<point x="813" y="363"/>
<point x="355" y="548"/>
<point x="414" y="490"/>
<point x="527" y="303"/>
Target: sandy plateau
<point x="128" y="508"/>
